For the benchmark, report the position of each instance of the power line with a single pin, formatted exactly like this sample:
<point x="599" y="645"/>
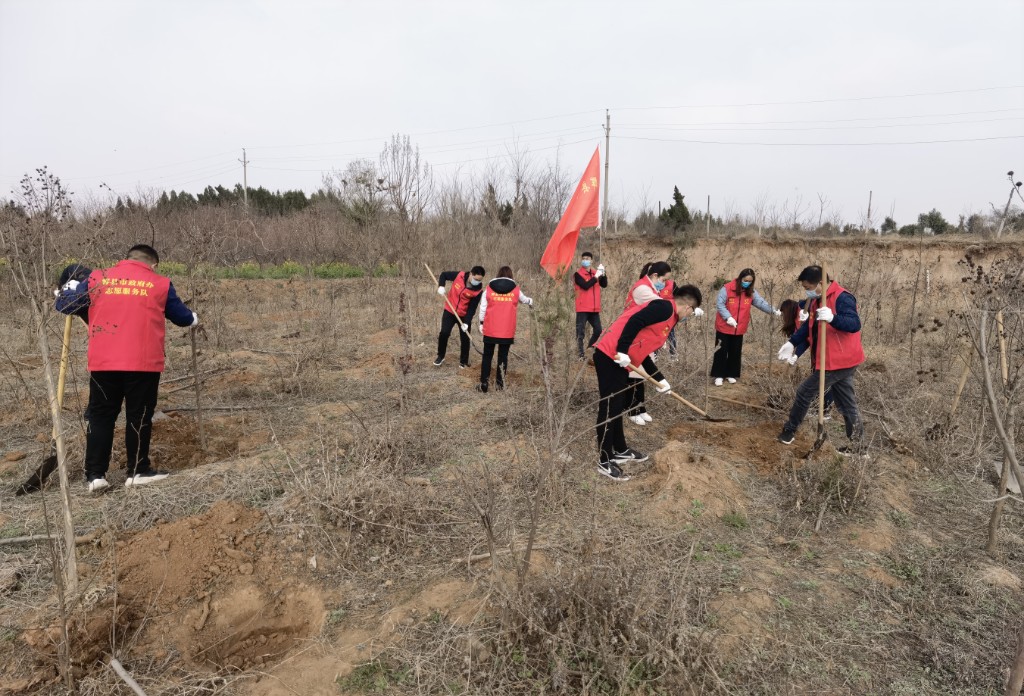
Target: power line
<point x="907" y="142"/>
<point x="814" y="128"/>
<point x="821" y="101"/>
<point x="834" y="120"/>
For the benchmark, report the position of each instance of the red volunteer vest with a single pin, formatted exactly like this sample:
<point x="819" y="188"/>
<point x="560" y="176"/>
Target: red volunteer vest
<point x="461" y="293"/>
<point x="649" y="339"/>
<point x="666" y="292"/>
<point x="587" y="300"/>
<point x="643" y="281"/>
<point x="502" y="309"/>
<point x="126" y="318"/>
<point x="738" y="304"/>
<point x="842" y="349"/>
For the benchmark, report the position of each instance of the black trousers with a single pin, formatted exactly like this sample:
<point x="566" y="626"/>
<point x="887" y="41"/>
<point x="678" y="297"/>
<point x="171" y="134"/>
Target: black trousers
<point x="138" y="391"/>
<point x="449" y="322"/>
<point x="582" y="319"/>
<point x="485" y="364"/>
<point x="616" y="395"/>
<point x="637" y="396"/>
<point x="838" y="383"/>
<point x="728" y="354"/>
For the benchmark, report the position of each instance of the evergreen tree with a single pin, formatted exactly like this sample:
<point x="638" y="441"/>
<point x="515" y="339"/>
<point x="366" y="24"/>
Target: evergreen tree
<point x="676" y="216"/>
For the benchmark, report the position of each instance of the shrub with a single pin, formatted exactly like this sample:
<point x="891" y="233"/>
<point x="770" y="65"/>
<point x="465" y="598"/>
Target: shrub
<point x="335" y="269"/>
<point x="288" y="269"/>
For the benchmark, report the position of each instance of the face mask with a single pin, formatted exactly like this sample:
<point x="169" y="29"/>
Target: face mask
<point x="659" y="285"/>
<point x="586" y="263"/>
<point x="812" y="294"/>
<point x="746" y="284"/>
<point x="474" y="283"/>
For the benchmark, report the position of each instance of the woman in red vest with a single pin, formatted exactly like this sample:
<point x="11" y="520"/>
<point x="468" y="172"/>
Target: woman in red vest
<point x="734" y="302"/>
<point x="587" y="284"/>
<point x="631" y="339"/>
<point x="127" y="306"/>
<point x="464" y="296"/>
<point x="843" y="353"/>
<point x="498" y="312"/>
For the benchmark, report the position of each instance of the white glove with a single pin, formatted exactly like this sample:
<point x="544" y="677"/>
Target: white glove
<point x="195" y="320"/>
<point x="778" y="312"/>
<point x="465" y="328"/>
<point x="732" y="322"/>
<point x="599" y="272"/>
<point x="792" y="359"/>
<point x="70" y="285"/>
<point x="529" y="302"/>
<point x="804" y="316"/>
<point x="440" y="290"/>
<point x="481" y="325"/>
<point x="663" y="387"/>
<point x="698" y="312"/>
<point x="787" y="351"/>
<point x="600" y="267"/>
<point x="622" y="359"/>
<point x="824" y="314"/>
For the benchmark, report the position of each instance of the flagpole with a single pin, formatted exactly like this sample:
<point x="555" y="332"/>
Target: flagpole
<point x="604" y="214"/>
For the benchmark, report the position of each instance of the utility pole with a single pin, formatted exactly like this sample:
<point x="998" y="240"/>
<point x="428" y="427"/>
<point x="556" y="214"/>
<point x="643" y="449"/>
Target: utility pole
<point x="607" y="144"/>
<point x="245" y="179"/>
<point x="1006" y="210"/>
<point x="868" y="225"/>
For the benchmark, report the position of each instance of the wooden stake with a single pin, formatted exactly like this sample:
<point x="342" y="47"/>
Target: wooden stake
<point x="960" y="386"/>
<point x="1001" y="335"/>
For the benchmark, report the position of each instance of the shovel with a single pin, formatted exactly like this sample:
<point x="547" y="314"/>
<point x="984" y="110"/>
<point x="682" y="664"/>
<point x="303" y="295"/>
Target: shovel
<point x="703" y="414"/>
<point x="822" y="433"/>
<point x="35" y="481"/>
<point x="453" y="311"/>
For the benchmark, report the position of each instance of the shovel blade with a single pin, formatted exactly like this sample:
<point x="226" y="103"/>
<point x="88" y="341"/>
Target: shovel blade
<point x="819" y="441"/>
<point x="36" y="480"/>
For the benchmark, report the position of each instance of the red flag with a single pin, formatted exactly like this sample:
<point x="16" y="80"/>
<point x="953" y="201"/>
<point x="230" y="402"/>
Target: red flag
<point x="581" y="212"/>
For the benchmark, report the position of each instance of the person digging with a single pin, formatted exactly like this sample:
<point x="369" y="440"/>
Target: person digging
<point x="460" y="304"/>
<point x="127" y="305"/>
<point x="630" y="340"/>
<point x="843" y="353"/>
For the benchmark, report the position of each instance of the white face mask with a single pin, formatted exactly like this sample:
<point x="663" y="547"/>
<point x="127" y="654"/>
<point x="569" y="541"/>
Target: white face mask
<point x="474" y="282"/>
<point x="812" y="294"/>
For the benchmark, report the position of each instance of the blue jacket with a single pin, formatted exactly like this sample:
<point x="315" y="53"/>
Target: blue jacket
<point x="845" y="319"/>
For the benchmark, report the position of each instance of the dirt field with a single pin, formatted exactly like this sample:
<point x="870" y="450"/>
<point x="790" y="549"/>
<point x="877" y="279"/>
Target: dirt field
<point x="332" y="537"/>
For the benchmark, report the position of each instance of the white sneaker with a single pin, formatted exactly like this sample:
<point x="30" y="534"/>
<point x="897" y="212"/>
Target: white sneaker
<point x="730" y="380"/>
<point x="718" y="381"/>
<point x="639" y="420"/>
<point x="97" y="485"/>
<point x="145" y="478"/>
<point x="647" y="417"/>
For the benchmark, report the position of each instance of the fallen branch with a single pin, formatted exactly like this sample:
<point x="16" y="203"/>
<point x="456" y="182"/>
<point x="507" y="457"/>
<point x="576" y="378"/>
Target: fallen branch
<point x="500" y="552"/>
<point x="31" y="539"/>
<point x="173" y="409"/>
<point x="121" y="672"/>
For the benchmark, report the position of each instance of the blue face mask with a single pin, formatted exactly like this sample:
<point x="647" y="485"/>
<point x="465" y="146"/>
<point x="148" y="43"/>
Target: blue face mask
<point x="586" y="263"/>
<point x="659" y="285"/>
<point x="745" y="284"/>
<point x="812" y="294"/>
<point x="474" y="282"/>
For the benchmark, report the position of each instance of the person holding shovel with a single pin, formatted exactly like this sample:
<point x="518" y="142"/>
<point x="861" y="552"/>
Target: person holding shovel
<point x="127" y="305"/>
<point x="463" y="297"/>
<point x="499" y="310"/>
<point x="734" y="302"/>
<point x="653" y="284"/>
<point x="587" y="282"/>
<point x="843" y="353"/>
<point x="630" y="340"/>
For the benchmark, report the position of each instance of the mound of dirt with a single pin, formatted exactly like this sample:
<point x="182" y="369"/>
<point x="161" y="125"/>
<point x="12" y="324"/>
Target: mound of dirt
<point x="176" y="443"/>
<point x="681" y="478"/>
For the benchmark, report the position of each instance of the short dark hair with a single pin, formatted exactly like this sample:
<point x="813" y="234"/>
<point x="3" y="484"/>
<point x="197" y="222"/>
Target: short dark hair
<point x="140" y="250"/>
<point x="586" y="255"/>
<point x="811" y="274"/>
<point x="691" y="291"/>
<point x="477" y="270"/>
<point x="504" y="272"/>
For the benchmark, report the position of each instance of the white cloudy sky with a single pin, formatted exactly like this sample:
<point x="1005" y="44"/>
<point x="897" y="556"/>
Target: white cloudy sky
<point x="779" y="100"/>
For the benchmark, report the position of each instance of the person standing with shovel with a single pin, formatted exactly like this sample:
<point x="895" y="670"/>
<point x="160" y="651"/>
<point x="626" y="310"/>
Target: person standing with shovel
<point x="842" y="350"/>
<point x="127" y="305"/>
<point x="461" y="301"/>
<point x="499" y="311"/>
<point x="630" y="340"/>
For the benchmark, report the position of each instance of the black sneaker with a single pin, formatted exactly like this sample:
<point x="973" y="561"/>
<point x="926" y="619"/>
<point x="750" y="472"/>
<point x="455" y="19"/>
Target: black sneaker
<point x="787" y="436"/>
<point x="612" y="471"/>
<point x="144" y="478"/>
<point x="630" y="455"/>
<point x="482" y="387"/>
<point x="438" y="362"/>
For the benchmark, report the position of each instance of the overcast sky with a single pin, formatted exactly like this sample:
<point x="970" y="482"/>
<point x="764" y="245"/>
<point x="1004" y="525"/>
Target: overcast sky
<point x="780" y="100"/>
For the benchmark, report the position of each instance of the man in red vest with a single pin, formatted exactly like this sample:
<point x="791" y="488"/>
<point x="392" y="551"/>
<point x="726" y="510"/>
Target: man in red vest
<point x="843" y="353"/>
<point x="587" y="282"/>
<point x="631" y="339"/>
<point x="127" y="306"/>
<point x="464" y="296"/>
